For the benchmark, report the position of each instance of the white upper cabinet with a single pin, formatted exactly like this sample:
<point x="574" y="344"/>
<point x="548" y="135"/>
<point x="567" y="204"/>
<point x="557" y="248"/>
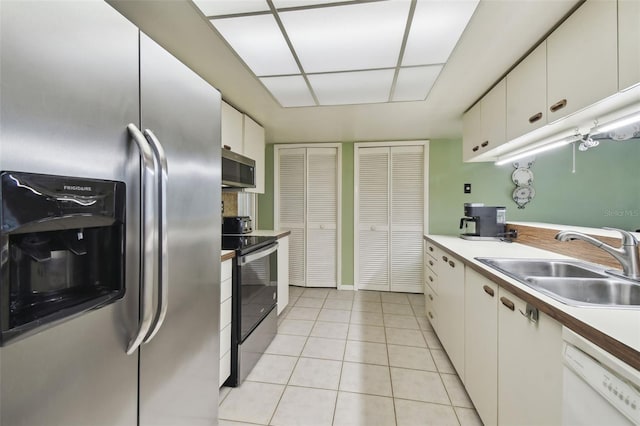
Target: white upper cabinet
<point x="527" y="94"/>
<point x="253" y="147"/>
<point x="231" y="128"/>
<point x="582" y="58"/>
<point x="628" y="43"/>
<point x="485" y="124"/>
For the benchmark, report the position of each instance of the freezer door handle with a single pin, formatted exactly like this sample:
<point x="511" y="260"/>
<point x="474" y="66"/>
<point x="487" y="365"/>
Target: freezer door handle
<point x="148" y="244"/>
<point x="161" y="203"/>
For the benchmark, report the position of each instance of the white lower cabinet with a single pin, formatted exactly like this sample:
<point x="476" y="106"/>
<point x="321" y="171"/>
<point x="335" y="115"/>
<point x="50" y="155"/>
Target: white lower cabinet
<point x="481" y="344"/>
<point x="450" y="308"/>
<point x="529" y="365"/>
<point x="225" y="320"/>
<point x="283" y="273"/>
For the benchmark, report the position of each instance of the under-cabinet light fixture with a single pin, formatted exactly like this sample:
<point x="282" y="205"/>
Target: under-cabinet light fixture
<point x="509" y="158"/>
<point x="616" y="124"/>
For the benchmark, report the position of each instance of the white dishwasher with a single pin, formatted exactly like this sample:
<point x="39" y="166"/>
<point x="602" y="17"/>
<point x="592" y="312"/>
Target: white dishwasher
<point x="598" y="389"/>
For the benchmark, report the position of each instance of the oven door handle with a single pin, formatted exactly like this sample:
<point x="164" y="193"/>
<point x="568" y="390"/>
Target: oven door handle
<point x="148" y="246"/>
<point x="161" y="205"/>
<point x="257" y="255"/>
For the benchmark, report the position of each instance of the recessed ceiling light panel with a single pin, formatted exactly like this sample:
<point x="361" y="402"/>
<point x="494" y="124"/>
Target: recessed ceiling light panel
<point x="290" y="91"/>
<point x="259" y="42"/>
<point x="282" y="4"/>
<point x="358" y="87"/>
<point x="230" y="7"/>
<point x="435" y="30"/>
<point x="349" y="37"/>
<point x="414" y="83"/>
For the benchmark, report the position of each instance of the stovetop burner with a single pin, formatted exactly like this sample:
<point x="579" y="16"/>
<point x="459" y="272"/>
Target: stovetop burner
<point x="244" y="244"/>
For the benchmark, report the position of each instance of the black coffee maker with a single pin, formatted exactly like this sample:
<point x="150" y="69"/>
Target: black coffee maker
<point x="483" y="222"/>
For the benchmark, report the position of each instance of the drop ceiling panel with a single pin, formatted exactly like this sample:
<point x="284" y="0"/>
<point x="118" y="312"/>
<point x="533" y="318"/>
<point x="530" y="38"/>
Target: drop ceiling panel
<point x="350" y="37"/>
<point x="259" y="42"/>
<point x="289" y="91"/>
<point x="281" y="4"/>
<point x="435" y="30"/>
<point x="352" y="87"/>
<point x="230" y="7"/>
<point x="414" y="83"/>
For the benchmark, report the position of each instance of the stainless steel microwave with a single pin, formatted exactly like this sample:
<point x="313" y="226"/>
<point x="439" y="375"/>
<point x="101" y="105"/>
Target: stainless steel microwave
<point x="238" y="171"/>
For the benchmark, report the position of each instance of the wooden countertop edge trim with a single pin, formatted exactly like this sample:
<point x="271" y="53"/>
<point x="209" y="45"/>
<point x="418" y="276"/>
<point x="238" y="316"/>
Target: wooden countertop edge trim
<point x="283" y="234"/>
<point x="227" y="256"/>
<point x="606" y="342"/>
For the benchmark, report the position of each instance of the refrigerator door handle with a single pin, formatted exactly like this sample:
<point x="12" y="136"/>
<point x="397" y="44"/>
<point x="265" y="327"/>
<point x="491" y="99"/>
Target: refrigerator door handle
<point x="148" y="236"/>
<point x="163" y="270"/>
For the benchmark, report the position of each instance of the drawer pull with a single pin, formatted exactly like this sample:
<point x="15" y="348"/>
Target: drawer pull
<point x="431" y="298"/>
<point x="488" y="290"/>
<point x="430" y="278"/>
<point x="558" y="105"/>
<point x="475" y="148"/>
<point x="445" y="258"/>
<point x="508" y="303"/>
<point x="452" y="264"/>
<point x="430" y="315"/>
<point x="535" y="117"/>
<point x="430" y="248"/>
<point x="431" y="263"/>
<point x="484" y="144"/>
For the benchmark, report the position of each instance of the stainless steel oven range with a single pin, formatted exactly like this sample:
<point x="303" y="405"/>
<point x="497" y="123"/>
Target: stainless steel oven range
<point x="254" y="319"/>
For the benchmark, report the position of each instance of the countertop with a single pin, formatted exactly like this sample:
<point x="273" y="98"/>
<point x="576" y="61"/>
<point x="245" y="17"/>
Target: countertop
<point x="278" y="233"/>
<point x="227" y="254"/>
<point x="615" y="330"/>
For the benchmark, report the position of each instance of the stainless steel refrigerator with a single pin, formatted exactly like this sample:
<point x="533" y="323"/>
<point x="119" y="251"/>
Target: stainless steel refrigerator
<point x="82" y="92"/>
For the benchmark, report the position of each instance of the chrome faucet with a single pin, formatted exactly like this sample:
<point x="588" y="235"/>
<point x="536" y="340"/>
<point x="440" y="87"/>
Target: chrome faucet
<point x="627" y="254"/>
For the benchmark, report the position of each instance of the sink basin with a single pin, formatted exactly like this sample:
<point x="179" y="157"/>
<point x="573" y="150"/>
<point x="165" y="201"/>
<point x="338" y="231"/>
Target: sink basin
<point x="571" y="282"/>
<point x="592" y="291"/>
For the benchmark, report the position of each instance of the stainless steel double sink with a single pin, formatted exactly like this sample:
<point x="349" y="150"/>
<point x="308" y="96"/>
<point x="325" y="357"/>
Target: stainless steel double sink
<point x="571" y="282"/>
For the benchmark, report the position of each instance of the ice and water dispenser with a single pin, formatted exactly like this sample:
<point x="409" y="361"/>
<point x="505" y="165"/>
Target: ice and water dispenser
<point x="62" y="249"/>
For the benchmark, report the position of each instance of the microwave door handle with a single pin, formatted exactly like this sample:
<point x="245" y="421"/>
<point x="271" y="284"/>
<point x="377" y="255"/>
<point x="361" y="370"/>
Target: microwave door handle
<point x="148" y="235"/>
<point x="161" y="205"/>
<point x="257" y="255"/>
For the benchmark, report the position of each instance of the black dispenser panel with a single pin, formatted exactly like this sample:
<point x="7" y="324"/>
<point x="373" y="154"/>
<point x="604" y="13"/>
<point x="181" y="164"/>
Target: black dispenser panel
<point x="62" y="249"/>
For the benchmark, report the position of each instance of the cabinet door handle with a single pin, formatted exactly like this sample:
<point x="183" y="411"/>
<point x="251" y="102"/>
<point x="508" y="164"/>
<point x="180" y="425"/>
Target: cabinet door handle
<point x="430" y="248"/>
<point x="431" y="297"/>
<point x="475" y="148"/>
<point x="535" y="117"/>
<point x="508" y="303"/>
<point x="452" y="264"/>
<point x="431" y="263"/>
<point x="558" y="105"/>
<point x="430" y="278"/>
<point x="445" y="258"/>
<point x="430" y="315"/>
<point x="484" y="144"/>
<point x="488" y="290"/>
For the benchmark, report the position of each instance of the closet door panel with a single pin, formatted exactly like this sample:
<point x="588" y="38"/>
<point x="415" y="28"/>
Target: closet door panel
<point x="291" y="208"/>
<point x="373" y="219"/>
<point x="322" y="214"/>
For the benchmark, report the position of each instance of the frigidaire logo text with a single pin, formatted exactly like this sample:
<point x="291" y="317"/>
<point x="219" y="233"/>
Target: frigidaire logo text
<point x="77" y="188"/>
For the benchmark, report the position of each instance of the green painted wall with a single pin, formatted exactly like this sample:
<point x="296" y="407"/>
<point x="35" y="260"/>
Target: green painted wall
<point x="604" y="191"/>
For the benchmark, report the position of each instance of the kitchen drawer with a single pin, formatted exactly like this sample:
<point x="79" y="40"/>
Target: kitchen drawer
<point x="429" y="305"/>
<point x="431" y="279"/>
<point x="225" y="367"/>
<point x="430" y="249"/>
<point x="225" y="269"/>
<point x="225" y="339"/>
<point x="225" y="290"/>
<point x="225" y="313"/>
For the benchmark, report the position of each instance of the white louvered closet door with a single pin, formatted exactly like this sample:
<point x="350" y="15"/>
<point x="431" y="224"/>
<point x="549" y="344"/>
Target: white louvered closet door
<point x="322" y="218"/>
<point x="291" y="211"/>
<point x="373" y="219"/>
<point x="407" y="218"/>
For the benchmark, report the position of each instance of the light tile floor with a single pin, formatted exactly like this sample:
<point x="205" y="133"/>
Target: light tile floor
<point x="351" y="358"/>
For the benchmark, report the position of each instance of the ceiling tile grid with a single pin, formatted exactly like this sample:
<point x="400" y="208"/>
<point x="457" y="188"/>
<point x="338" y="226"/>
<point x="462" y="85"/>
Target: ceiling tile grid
<point x="328" y="52"/>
